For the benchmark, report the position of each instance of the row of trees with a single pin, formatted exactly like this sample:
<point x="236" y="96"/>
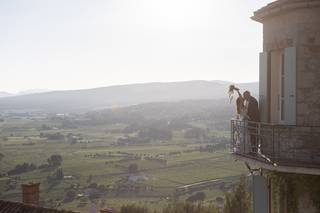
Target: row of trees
<point x="146" y="135"/>
<point x="52" y="162"/>
<point x="21" y="168"/>
<point x="52" y="136"/>
<point x="164" y="133"/>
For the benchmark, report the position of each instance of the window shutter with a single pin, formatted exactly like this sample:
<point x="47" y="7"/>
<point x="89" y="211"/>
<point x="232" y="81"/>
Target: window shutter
<point x="290" y="86"/>
<point x="263" y="87"/>
<point x="260" y="194"/>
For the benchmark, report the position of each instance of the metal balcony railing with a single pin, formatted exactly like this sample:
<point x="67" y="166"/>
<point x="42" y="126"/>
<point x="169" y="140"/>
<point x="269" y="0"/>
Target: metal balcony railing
<point x="280" y="145"/>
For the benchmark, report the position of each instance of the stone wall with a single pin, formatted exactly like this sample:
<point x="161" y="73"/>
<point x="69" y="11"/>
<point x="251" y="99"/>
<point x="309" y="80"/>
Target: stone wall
<point x="286" y="145"/>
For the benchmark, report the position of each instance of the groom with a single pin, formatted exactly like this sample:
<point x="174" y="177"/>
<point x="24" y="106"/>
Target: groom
<point x="252" y="106"/>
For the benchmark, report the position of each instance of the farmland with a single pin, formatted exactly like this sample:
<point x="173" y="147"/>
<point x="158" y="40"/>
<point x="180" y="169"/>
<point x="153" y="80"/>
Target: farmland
<point x="111" y="163"/>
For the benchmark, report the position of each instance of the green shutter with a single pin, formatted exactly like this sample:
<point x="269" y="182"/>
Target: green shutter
<point x="263" y="87"/>
<point x="290" y="86"/>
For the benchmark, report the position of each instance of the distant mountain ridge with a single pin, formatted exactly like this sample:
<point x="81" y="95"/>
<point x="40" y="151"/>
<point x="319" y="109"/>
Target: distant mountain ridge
<point x="5" y="94"/>
<point x="33" y="91"/>
<point x="119" y="96"/>
<point x="26" y="92"/>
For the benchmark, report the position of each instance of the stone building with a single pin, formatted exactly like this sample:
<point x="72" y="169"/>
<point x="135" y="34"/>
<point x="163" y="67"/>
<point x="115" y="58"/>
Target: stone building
<point x="286" y="165"/>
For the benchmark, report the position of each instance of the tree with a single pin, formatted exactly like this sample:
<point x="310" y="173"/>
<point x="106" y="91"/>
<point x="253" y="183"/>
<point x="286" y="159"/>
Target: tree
<point x="133" y="168"/>
<point x="55" y="160"/>
<point x="191" y="208"/>
<point x="45" y="127"/>
<point x="133" y="209"/>
<point x="54" y="136"/>
<point x="155" y="133"/>
<point x="70" y="195"/>
<point x="195" y="132"/>
<point x="55" y="177"/>
<point x="199" y="196"/>
<point x="239" y="200"/>
<point x="59" y="174"/>
<point x="93" y="186"/>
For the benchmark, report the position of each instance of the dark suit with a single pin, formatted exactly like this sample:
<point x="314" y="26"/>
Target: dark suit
<point x="254" y="115"/>
<point x="253" y="110"/>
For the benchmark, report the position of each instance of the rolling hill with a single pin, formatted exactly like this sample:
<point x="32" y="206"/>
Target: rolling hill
<point x="119" y="96"/>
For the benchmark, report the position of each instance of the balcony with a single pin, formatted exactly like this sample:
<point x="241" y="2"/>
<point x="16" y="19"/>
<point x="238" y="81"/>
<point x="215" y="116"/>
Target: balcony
<point x="277" y="147"/>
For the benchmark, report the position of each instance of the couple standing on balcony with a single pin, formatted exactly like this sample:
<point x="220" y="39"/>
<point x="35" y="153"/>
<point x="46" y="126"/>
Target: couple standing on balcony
<point x="247" y="110"/>
<point x="247" y="105"/>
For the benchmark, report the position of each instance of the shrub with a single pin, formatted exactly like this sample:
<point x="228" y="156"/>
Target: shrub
<point x="133" y="168"/>
<point x="190" y="208"/>
<point x="239" y="200"/>
<point x="132" y="208"/>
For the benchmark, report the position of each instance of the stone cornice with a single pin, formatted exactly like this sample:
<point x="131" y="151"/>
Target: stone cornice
<point x="281" y="7"/>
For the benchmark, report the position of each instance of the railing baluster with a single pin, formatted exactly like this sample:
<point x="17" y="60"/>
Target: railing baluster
<point x="231" y="136"/>
<point x="244" y="130"/>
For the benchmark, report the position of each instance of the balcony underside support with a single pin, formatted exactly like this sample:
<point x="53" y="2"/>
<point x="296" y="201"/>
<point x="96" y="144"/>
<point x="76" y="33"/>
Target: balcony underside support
<point x="255" y="162"/>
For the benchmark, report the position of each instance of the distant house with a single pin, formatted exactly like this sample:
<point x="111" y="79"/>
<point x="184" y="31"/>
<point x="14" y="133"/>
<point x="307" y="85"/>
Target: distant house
<point x="285" y="163"/>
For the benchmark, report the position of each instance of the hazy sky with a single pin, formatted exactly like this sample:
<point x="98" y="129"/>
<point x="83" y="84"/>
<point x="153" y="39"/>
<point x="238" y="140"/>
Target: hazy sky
<point x="71" y="44"/>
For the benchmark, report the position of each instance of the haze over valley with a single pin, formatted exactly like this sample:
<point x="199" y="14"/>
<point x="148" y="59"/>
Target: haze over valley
<point x="119" y="96"/>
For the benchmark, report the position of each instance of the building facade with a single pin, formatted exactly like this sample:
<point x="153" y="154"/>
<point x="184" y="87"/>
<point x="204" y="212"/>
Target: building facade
<point x="286" y="165"/>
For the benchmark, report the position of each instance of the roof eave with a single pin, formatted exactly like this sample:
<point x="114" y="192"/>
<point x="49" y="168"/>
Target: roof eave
<point x="257" y="19"/>
<point x="281" y="7"/>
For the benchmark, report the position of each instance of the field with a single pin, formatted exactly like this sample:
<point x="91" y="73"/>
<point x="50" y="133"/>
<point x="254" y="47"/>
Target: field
<point x="96" y="167"/>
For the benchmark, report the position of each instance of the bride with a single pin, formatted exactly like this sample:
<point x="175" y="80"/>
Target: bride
<point x="240" y="103"/>
<point x="239" y="138"/>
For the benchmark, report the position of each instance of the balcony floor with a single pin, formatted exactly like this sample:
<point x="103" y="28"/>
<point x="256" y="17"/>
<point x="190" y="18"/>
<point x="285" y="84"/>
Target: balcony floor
<point x="298" y="168"/>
